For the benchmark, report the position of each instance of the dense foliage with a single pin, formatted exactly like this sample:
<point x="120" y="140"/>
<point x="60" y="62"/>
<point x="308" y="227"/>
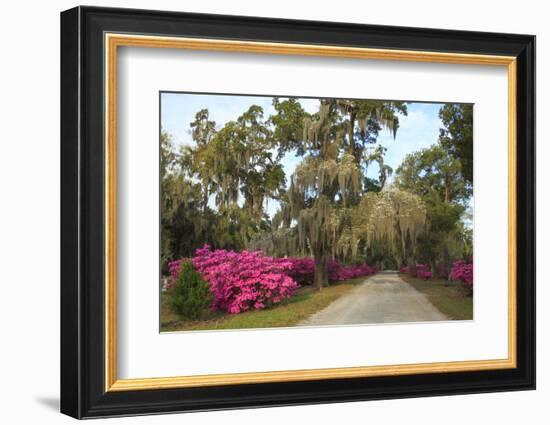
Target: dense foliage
<point x="191" y="294"/>
<point x="241" y="281"/>
<point x="457" y="135"/>
<point x="330" y="214"/>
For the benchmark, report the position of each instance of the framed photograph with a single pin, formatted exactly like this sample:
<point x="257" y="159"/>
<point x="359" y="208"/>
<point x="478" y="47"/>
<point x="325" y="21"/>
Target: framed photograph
<point x="260" y="212"/>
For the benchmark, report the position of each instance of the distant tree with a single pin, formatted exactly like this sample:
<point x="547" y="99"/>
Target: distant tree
<point x="433" y="170"/>
<point x="202" y="129"/>
<point x="186" y="225"/>
<point x="168" y="194"/>
<point x="436" y="176"/>
<point x="202" y="132"/>
<point x="388" y="221"/>
<point x="456" y="136"/>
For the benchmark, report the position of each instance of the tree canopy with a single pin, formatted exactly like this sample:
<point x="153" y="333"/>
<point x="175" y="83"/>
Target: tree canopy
<point x="218" y="189"/>
<point x="457" y="135"/>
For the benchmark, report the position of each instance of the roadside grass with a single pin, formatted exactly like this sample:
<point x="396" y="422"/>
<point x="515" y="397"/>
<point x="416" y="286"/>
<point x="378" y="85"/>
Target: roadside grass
<point x="451" y="298"/>
<point x="289" y="312"/>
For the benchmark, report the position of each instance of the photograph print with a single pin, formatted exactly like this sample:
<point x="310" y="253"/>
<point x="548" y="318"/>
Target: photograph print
<point x="288" y="211"/>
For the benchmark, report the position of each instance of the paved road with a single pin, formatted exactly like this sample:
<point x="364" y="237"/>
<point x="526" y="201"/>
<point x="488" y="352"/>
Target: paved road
<point x="383" y="298"/>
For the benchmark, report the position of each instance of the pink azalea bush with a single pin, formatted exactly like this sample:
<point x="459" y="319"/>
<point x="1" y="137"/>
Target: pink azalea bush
<point x="338" y="272"/>
<point x="241" y="281"/>
<point x="463" y="271"/>
<point x="244" y="280"/>
<point x="175" y="266"/>
<point x="302" y="270"/>
<point x="421" y="271"/>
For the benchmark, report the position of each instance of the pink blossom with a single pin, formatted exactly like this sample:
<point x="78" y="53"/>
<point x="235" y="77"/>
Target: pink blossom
<point x="422" y="271"/>
<point x="247" y="280"/>
<point x="302" y="270"/>
<point x="463" y="271"/>
<point x="244" y="280"/>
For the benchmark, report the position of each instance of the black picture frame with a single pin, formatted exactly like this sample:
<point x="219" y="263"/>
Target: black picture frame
<point x="83" y="392"/>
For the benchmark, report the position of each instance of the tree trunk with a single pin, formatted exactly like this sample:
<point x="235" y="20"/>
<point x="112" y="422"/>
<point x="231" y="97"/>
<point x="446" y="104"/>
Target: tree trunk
<point x="206" y="195"/>
<point x="350" y="133"/>
<point x="447" y="190"/>
<point x="320" y="275"/>
<point x="411" y="265"/>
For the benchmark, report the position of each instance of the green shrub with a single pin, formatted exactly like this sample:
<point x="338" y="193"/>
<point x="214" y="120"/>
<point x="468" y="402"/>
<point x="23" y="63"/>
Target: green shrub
<point x="191" y="294"/>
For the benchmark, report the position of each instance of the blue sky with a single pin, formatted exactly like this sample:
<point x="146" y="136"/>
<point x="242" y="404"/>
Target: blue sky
<point x="419" y="129"/>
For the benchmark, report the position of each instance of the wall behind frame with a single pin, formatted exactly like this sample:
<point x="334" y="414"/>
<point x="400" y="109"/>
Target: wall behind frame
<point x="29" y="224"/>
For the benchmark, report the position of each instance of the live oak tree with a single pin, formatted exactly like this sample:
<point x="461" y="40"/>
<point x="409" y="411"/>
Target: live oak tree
<point x="237" y="173"/>
<point x="326" y="186"/>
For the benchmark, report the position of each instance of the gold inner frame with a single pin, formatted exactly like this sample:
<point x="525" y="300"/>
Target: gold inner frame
<point x="113" y="41"/>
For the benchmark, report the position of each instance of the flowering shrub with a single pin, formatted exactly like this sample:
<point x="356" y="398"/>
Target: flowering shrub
<point x="301" y="269"/>
<point x="421" y="271"/>
<point x="338" y="272"/>
<point x="174" y="267"/>
<point x="244" y="280"/>
<point x="463" y="271"/>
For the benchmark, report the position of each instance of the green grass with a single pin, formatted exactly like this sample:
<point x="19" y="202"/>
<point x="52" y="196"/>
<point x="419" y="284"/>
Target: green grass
<point x="289" y="312"/>
<point x="451" y="298"/>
